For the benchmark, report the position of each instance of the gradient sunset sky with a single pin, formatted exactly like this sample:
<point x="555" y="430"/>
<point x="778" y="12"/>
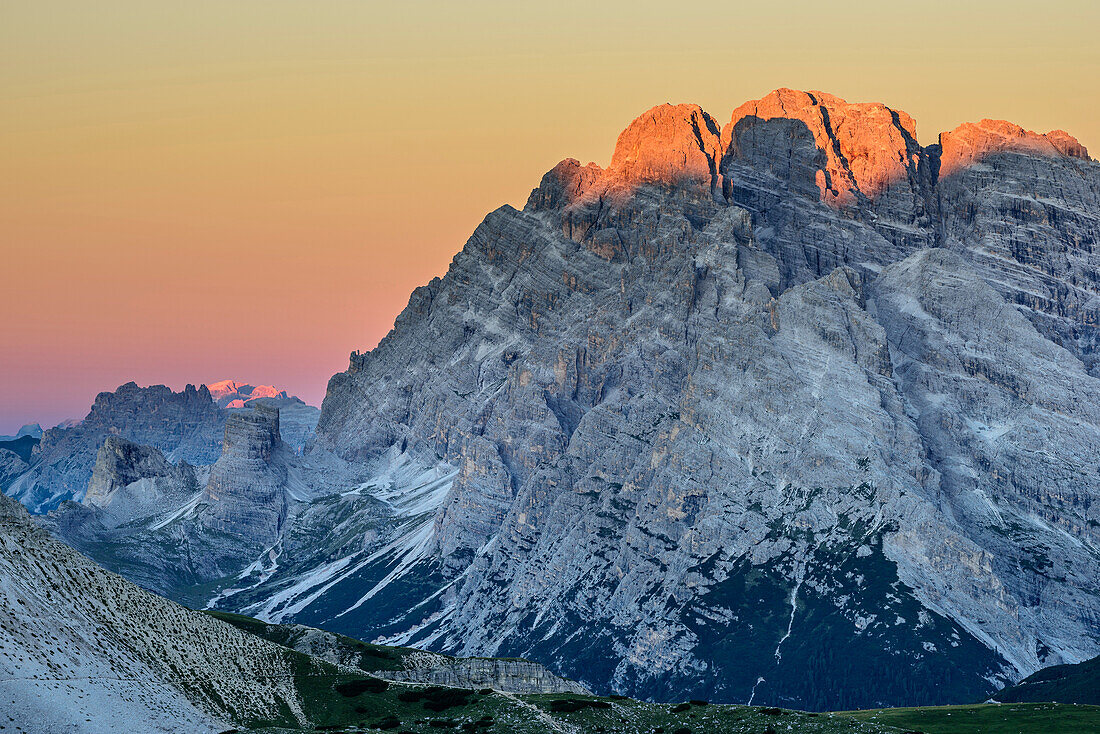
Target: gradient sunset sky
<point x="206" y="190"/>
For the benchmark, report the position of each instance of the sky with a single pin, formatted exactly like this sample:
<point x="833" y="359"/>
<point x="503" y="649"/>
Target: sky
<point x="198" y="191"/>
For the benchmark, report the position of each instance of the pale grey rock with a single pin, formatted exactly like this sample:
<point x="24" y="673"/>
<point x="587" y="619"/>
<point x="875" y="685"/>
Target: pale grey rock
<point x="184" y="426"/>
<point x="1030" y="226"/>
<point x="415" y="666"/>
<point x="11" y="466"/>
<point x="83" y="645"/>
<point x="131" y="483"/>
<point x="1011" y="423"/>
<point x="246" y="493"/>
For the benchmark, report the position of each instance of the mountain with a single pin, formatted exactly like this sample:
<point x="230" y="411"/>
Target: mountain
<point x="751" y="400"/>
<point x="186" y="427"/>
<point x="297" y="419"/>
<point x="1075" y="684"/>
<point x="790" y="411"/>
<point x="32" y="430"/>
<point x="171" y="527"/>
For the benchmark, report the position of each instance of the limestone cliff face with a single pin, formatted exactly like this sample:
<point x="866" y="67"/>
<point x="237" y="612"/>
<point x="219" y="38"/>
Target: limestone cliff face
<point x="131" y="482"/>
<point x="246" y="491"/>
<point x="973" y="142"/>
<point x="408" y="665"/>
<point x="184" y="426"/>
<point x="187" y="426"/>
<point x="724" y="409"/>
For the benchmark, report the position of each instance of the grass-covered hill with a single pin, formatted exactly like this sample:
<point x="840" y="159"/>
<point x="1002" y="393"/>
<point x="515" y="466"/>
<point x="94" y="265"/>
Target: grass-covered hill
<point x="1078" y="683"/>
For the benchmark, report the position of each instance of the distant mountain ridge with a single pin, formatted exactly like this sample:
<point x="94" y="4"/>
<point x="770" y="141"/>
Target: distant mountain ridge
<point x="185" y="426"/>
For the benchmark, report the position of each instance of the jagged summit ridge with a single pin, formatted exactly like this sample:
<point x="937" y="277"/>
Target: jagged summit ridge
<point x="973" y="141"/>
<point x="867" y="148"/>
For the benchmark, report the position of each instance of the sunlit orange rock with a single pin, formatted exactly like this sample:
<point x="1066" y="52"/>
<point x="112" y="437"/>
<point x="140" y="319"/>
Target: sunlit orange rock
<point x="867" y="146"/>
<point x="668" y="144"/>
<point x="972" y="141"/>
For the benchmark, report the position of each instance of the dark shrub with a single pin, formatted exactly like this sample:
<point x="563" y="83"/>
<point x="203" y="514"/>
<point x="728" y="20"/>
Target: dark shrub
<point x="680" y="707"/>
<point x="353" y="688"/>
<point x="697" y="702"/>
<point x="570" y="705"/>
<point x="771" y="711"/>
<point x="682" y="730"/>
<point x="437" y="698"/>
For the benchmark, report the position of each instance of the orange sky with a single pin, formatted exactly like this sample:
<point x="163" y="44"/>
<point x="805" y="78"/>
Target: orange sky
<point x="206" y="190"/>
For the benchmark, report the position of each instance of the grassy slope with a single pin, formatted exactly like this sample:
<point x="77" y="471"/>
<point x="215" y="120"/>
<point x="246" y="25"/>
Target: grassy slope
<point x="1078" y="683"/>
<point x="368" y="657"/>
<point x="1025" y="718"/>
<point x="370" y="703"/>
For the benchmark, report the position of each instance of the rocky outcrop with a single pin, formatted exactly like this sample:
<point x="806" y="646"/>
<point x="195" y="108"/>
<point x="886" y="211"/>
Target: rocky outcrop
<point x="246" y="492"/>
<point x="175" y="528"/>
<point x="973" y="142"/>
<point x="184" y="426"/>
<point x="867" y="151"/>
<point x="408" y="665"/>
<point x="510" y="676"/>
<point x="131" y="482"/>
<point x="11" y="466"/>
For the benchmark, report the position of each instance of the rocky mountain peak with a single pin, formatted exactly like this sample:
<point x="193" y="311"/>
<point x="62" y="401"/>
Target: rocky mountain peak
<point x="233" y="394"/>
<point x="246" y="486"/>
<point x="867" y="147"/>
<point x="972" y="141"/>
<point x="253" y="434"/>
<point x="667" y="144"/>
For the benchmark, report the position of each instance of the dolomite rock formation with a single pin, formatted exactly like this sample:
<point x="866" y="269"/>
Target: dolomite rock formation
<point x="246" y="490"/>
<point x="973" y="142"/>
<point x="131" y="482"/>
<point x="184" y="426"/>
<point x="698" y="445"/>
<point x="784" y="413"/>
<point x="174" y="527"/>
